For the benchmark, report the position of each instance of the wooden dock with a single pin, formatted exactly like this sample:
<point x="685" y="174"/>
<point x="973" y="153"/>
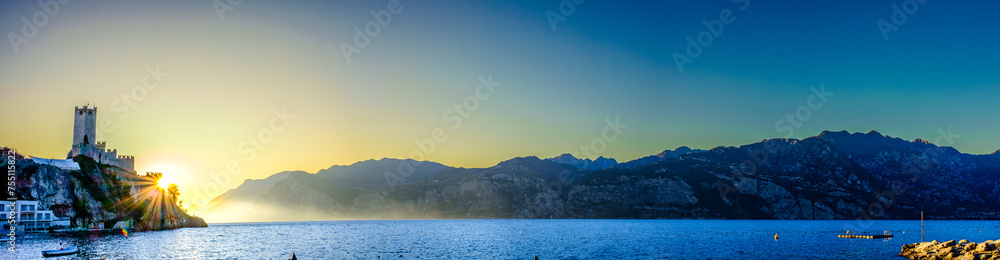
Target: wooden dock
<point x="865" y="236"/>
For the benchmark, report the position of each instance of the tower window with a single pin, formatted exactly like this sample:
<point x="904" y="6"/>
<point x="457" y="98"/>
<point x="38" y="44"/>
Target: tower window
<point x="90" y="112"/>
<point x="81" y="112"/>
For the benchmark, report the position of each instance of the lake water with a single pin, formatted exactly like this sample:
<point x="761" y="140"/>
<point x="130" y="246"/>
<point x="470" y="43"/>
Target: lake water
<point x="513" y="239"/>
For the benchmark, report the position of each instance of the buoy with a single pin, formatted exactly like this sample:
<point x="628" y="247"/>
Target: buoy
<point x="848" y="231"/>
<point x="775" y="236"/>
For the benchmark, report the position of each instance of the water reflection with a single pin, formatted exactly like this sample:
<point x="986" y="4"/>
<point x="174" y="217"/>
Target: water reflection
<point x="509" y="239"/>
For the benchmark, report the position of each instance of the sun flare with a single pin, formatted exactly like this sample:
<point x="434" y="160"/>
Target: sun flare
<point x="169" y="174"/>
<point x="166" y="180"/>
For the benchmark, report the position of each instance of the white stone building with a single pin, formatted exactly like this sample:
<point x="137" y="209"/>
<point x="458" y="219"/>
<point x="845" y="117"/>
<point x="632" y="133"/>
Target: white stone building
<point x="29" y="217"/>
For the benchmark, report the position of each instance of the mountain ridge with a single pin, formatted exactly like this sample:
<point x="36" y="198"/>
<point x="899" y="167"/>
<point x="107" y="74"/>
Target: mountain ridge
<point x="665" y="154"/>
<point x="828" y="176"/>
<point x="596" y="164"/>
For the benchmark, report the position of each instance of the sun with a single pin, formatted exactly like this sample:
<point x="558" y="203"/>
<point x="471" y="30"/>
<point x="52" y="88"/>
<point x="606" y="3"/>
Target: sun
<point x="166" y="180"/>
<point x="169" y="174"/>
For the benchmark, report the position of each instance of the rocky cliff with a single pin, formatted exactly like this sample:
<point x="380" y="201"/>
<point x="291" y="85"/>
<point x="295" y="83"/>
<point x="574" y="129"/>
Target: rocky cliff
<point x="98" y="195"/>
<point x="835" y="175"/>
<point x="962" y="249"/>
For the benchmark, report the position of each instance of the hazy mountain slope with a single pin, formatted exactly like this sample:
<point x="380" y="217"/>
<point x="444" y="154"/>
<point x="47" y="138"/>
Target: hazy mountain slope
<point x="301" y="196"/>
<point x="247" y="193"/>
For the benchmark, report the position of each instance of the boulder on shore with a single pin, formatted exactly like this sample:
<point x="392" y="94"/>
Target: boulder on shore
<point x="963" y="249"/>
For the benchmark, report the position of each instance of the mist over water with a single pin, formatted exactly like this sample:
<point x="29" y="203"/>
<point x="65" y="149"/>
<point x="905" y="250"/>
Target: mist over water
<point x="513" y="239"/>
<point x="244" y="212"/>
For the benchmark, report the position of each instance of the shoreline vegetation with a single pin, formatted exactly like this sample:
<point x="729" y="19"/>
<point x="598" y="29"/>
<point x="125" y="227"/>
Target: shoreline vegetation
<point x="962" y="249"/>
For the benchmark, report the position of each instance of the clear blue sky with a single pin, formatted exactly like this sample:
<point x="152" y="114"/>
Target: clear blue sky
<point x="607" y="59"/>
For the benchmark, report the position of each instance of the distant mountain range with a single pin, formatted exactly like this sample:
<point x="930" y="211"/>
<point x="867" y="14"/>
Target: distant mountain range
<point x="834" y="175"/>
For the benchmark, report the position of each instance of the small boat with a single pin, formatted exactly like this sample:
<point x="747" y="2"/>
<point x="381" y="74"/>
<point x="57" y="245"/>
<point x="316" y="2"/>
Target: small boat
<point x="58" y="252"/>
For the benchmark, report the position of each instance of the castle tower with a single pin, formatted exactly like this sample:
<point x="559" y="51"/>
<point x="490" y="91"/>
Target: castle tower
<point x="85" y="126"/>
<point x="85" y="141"/>
<point x="84" y="129"/>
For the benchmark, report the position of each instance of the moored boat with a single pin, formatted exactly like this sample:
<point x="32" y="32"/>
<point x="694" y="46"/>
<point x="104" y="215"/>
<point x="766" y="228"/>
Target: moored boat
<point x="58" y="252"/>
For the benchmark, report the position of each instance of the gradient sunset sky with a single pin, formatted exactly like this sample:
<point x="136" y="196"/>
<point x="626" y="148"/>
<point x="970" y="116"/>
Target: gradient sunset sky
<point x="226" y="74"/>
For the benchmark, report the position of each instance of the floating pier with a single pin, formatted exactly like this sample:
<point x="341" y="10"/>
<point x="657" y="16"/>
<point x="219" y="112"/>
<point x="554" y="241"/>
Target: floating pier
<point x="865" y="236"/>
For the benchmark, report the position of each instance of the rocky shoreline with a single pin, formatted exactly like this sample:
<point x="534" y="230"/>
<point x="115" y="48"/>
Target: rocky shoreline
<point x="962" y="249"/>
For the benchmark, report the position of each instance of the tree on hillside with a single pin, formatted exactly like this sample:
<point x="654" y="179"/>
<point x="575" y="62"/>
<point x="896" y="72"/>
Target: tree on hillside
<point x="173" y="192"/>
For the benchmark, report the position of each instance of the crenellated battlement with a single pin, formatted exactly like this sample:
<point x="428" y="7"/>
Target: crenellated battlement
<point x="85" y="108"/>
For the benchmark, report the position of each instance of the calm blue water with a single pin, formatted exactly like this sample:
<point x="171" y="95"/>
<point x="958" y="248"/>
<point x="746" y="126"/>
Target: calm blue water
<point x="513" y="239"/>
